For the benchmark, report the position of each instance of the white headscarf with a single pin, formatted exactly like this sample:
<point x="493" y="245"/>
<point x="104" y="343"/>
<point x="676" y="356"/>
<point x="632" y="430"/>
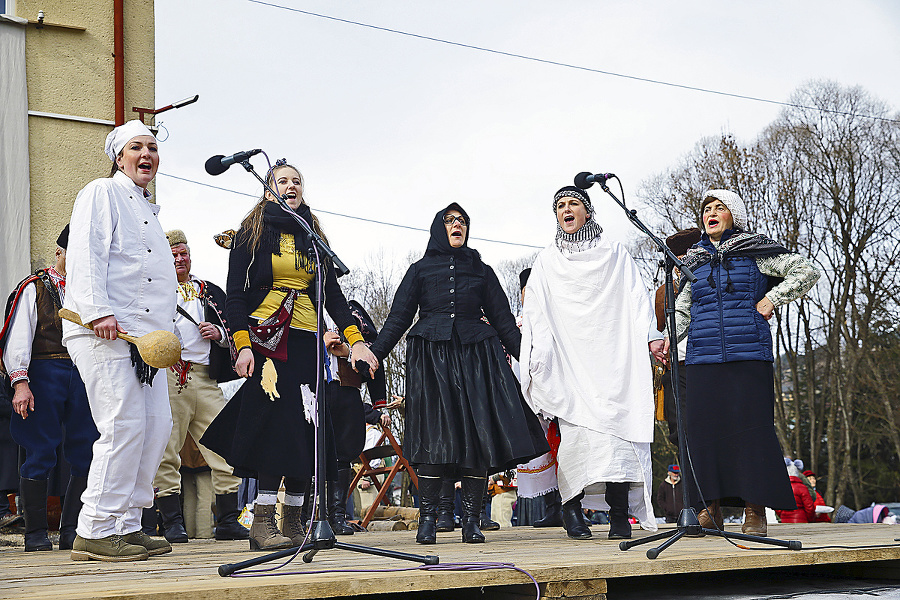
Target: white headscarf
<point x="123" y="134"/>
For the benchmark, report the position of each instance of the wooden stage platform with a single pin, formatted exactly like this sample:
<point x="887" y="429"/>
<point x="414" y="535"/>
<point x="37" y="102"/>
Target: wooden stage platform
<point x="564" y="568"/>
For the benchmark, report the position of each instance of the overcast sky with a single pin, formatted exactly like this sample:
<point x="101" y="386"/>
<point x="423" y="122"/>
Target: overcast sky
<point x="393" y="128"/>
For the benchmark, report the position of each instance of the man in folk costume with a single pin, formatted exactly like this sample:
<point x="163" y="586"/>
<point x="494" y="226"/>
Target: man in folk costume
<point x="50" y="405"/>
<point x="585" y="362"/>
<point x="196" y="399"/>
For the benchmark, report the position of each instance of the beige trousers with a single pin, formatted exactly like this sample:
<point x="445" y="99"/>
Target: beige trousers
<point x="193" y="409"/>
<point x="501" y="508"/>
<point x="197" y="491"/>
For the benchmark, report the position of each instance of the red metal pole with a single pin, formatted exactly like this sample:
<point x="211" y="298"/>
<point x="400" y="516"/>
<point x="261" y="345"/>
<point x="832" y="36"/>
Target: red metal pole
<point x="119" y="59"/>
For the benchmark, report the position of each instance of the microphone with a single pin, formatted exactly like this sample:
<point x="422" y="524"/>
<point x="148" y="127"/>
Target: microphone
<point x="218" y="164"/>
<point x="585" y="180"/>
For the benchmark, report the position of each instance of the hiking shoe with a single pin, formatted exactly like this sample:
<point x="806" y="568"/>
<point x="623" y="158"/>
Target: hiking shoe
<point x="10" y="520"/>
<point x="112" y="548"/>
<point x="153" y="547"/>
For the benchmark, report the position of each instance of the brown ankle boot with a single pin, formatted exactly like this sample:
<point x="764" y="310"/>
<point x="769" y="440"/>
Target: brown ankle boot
<point x="292" y="526"/>
<point x="716" y="521"/>
<point x="264" y="534"/>
<point x="754" y="520"/>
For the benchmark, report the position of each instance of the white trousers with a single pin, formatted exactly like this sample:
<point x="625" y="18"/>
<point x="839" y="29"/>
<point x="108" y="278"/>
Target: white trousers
<point x="134" y="422"/>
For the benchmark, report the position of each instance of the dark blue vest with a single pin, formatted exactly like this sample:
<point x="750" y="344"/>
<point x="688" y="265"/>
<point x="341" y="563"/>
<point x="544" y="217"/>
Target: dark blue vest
<point x="725" y="325"/>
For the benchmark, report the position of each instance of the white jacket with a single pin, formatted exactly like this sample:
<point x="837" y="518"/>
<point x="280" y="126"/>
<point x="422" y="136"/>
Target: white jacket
<point x="118" y="261"/>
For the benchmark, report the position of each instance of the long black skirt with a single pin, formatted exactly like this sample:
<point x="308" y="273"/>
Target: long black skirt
<point x="730" y="429"/>
<point x="464" y="407"/>
<point x="261" y="433"/>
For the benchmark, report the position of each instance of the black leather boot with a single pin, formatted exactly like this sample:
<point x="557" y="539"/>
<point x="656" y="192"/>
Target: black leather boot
<point x="617" y="498"/>
<point x="173" y="520"/>
<point x="445" y="520"/>
<point x="227" y="512"/>
<point x="573" y="519"/>
<point x="472" y="500"/>
<point x="484" y="521"/>
<point x="337" y="503"/>
<point x="429" y="497"/>
<point x="150" y="521"/>
<point x="306" y="509"/>
<point x="33" y="497"/>
<point x="552" y="511"/>
<point x="68" y="520"/>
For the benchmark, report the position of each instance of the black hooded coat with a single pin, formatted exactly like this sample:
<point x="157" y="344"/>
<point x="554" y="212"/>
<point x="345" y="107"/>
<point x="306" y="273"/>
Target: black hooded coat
<point x="463" y="403"/>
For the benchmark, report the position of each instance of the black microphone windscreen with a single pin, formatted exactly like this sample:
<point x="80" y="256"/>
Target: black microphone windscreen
<point x="581" y="180"/>
<point x="214" y="165"/>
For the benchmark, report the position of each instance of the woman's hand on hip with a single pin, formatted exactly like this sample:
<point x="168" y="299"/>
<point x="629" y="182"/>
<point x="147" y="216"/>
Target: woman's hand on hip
<point x="765" y="308"/>
<point x="244" y="364"/>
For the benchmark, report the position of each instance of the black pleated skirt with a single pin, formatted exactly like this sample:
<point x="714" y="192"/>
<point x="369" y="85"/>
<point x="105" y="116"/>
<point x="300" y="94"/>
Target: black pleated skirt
<point x="464" y="407"/>
<point x="258" y="433"/>
<point x="730" y="428"/>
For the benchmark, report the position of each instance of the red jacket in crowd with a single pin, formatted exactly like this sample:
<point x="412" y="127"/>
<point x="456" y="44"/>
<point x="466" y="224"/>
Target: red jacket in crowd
<point x="806" y="508"/>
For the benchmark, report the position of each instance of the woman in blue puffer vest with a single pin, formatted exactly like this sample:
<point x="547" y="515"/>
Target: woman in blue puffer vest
<point x="729" y="410"/>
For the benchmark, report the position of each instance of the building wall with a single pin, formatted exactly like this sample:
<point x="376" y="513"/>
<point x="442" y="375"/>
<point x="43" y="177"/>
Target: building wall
<point x="70" y="72"/>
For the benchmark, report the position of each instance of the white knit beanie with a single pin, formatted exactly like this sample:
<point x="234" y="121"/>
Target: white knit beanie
<point x="732" y="201"/>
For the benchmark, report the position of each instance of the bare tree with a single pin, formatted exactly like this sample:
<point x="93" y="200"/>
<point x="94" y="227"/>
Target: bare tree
<point x="825" y="182"/>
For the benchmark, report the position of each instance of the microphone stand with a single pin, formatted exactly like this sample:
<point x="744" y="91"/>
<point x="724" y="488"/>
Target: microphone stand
<point x="688" y="523"/>
<point x="320" y="536"/>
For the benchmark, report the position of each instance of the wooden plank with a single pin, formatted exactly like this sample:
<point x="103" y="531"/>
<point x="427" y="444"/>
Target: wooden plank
<point x="189" y="572"/>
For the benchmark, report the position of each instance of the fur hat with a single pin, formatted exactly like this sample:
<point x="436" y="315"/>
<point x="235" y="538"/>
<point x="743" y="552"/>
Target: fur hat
<point x="734" y="203"/>
<point x="176" y="236"/>
<point x="681" y="241"/>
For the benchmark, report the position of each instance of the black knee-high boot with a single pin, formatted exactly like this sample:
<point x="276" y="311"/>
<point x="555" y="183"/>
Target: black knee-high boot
<point x="472" y="500"/>
<point x="445" y="520"/>
<point x="71" y="507"/>
<point x="173" y="520"/>
<point x="617" y="498"/>
<point x="552" y="511"/>
<point x="33" y="496"/>
<point x="227" y="513"/>
<point x="573" y="519"/>
<point x="429" y="497"/>
<point x="306" y="509"/>
<point x="485" y="522"/>
<point x="337" y="503"/>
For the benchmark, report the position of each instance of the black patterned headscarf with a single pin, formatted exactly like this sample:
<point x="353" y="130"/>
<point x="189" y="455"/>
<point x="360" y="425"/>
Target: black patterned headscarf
<point x="589" y="230"/>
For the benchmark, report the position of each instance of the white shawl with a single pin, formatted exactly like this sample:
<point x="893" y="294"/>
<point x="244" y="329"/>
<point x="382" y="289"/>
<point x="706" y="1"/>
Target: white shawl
<point x="584" y="351"/>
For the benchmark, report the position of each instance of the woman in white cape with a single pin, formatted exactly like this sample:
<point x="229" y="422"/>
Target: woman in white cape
<point x="585" y="362"/>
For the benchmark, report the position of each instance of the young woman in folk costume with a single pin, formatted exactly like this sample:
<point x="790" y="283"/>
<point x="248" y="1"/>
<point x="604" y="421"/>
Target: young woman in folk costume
<point x="267" y="431"/>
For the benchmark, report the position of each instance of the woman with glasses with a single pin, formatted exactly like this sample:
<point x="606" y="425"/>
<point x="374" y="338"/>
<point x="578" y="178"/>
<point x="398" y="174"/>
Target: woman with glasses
<point x="463" y="406"/>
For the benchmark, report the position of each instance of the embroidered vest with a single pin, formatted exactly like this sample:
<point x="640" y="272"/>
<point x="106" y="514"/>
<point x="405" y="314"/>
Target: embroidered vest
<point x="48" y="333"/>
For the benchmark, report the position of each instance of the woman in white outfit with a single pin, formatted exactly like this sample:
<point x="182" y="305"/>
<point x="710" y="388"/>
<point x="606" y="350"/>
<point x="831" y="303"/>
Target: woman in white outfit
<point x="585" y="362"/>
<point x="120" y="279"/>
